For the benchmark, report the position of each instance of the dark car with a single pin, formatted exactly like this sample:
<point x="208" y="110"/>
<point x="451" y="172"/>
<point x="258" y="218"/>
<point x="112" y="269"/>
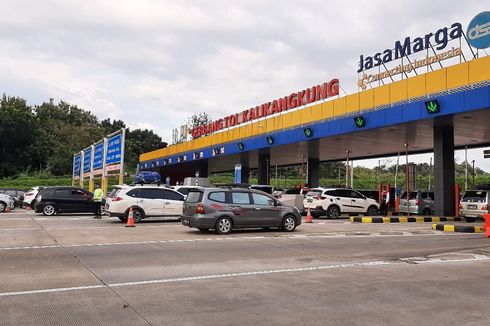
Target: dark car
<point x="224" y="209"/>
<point x="16" y="194"/>
<point x="53" y="200"/>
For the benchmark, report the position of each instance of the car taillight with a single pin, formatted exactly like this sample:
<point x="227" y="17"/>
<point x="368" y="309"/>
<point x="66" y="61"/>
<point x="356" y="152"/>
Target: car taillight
<point x="484" y="208"/>
<point x="117" y="199"/>
<point x="319" y="197"/>
<point x="417" y="202"/>
<point x="28" y="194"/>
<point x="200" y="209"/>
<point x="460" y="206"/>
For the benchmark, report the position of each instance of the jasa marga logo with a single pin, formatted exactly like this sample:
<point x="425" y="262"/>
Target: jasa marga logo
<point x="479" y="31"/>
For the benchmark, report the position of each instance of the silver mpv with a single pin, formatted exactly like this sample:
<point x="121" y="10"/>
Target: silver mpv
<point x="225" y="209"/>
<point x="420" y="202"/>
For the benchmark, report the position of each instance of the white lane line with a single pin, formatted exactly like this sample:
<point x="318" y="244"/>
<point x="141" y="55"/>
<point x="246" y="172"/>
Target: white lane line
<point x="201" y="277"/>
<point x="75" y="288"/>
<point x="30" y="247"/>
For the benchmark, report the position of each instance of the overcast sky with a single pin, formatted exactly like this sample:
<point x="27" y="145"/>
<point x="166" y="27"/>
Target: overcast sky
<point x="155" y="63"/>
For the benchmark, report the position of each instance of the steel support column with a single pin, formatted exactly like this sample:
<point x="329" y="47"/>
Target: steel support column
<point x="263" y="166"/>
<point x="313" y="164"/>
<point x="444" y="181"/>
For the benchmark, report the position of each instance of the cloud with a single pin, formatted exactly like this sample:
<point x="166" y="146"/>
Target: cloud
<point x="154" y="62"/>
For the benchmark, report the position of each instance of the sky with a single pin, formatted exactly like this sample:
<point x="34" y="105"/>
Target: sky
<point x="154" y="63"/>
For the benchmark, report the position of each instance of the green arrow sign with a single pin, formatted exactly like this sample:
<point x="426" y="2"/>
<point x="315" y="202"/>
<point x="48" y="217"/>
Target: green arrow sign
<point x="270" y="140"/>
<point x="432" y="106"/>
<point x="308" y="132"/>
<point x="241" y="146"/>
<point x="360" y="122"/>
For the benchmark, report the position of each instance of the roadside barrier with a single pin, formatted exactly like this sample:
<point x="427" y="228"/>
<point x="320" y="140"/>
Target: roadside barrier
<point x="457" y="228"/>
<point x="130" y="218"/>
<point x="416" y="219"/>
<point x="487" y="225"/>
<point x="308" y="217"/>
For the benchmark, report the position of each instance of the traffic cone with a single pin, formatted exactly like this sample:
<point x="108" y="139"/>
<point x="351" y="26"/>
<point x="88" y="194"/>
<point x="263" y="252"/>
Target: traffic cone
<point x="487" y="225"/>
<point x="308" y="217"/>
<point x="7" y="210"/>
<point x="130" y="218"/>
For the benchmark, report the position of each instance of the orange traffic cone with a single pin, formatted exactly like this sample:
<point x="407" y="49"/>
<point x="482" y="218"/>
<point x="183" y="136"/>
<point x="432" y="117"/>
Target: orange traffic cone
<point x="308" y="217"/>
<point x="130" y="218"/>
<point x="7" y="210"/>
<point x="487" y="225"/>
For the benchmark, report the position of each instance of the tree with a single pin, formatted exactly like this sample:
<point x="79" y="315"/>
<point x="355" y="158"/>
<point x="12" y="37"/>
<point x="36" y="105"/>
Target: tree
<point x="196" y="120"/>
<point x="138" y="142"/>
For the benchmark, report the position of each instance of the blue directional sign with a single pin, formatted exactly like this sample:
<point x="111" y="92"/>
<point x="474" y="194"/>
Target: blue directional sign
<point x="114" y="147"/>
<point x="76" y="165"/>
<point x="98" y="156"/>
<point x="87" y="157"/>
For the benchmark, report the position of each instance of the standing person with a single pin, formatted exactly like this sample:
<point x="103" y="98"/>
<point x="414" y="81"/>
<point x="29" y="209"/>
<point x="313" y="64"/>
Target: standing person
<point x="98" y="194"/>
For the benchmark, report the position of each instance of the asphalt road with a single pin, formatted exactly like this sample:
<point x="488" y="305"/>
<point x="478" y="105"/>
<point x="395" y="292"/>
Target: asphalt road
<point x="74" y="270"/>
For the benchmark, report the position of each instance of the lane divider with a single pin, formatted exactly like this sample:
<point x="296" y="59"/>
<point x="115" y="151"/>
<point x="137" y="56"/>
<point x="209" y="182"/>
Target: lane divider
<point x="415" y="219"/>
<point x="457" y="228"/>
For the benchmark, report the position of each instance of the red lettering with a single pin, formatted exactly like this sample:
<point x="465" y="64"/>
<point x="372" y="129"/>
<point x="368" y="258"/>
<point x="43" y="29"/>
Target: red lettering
<point x="310" y="95"/>
<point x="265" y="109"/>
<point x="333" y="87"/>
<point x="274" y="107"/>
<point x="227" y="121"/>
<point x="283" y="104"/>
<point x="300" y="98"/>
<point x="252" y="114"/>
<point x="321" y="92"/>
<point x="245" y="116"/>
<point x="292" y="101"/>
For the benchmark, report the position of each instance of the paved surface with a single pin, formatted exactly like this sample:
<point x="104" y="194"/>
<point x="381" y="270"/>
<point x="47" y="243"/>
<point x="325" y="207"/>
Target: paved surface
<point x="73" y="270"/>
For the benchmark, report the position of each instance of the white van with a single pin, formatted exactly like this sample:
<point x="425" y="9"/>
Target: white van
<point x="474" y="204"/>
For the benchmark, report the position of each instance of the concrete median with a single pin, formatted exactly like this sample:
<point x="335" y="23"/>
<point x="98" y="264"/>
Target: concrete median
<point x="457" y="228"/>
<point x="414" y="219"/>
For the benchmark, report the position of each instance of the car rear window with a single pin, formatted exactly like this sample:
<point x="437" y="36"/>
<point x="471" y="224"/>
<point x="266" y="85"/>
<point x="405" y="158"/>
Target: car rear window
<point x="314" y="192"/>
<point x="475" y="196"/>
<point x="114" y="192"/>
<point x="295" y="191"/>
<point x="184" y="191"/>
<point x="265" y="189"/>
<point x="413" y="195"/>
<point x="194" y="197"/>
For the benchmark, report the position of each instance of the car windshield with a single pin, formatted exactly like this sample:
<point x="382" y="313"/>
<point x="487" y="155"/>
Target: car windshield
<point x="194" y="197"/>
<point x="475" y="196"/>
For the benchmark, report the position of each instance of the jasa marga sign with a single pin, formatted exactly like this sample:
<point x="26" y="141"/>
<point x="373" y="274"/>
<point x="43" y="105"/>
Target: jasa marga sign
<point x="439" y="40"/>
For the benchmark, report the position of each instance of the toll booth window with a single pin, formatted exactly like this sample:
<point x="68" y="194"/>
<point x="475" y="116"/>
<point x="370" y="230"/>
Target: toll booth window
<point x="240" y="198"/>
<point x="219" y="196"/>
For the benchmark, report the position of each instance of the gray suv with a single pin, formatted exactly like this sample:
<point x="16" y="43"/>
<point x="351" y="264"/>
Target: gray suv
<point x="225" y="209"/>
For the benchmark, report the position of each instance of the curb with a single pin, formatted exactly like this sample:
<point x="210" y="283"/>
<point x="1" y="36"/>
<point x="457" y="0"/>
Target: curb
<point x="457" y="228"/>
<point x="418" y="219"/>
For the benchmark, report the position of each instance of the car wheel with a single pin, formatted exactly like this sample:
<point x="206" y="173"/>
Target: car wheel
<point x="33" y="204"/>
<point x="138" y="215"/>
<point x="102" y="210"/>
<point x="49" y="210"/>
<point x="289" y="224"/>
<point x="426" y="211"/>
<point x="372" y="211"/>
<point x="224" y="225"/>
<point x="203" y="229"/>
<point x="470" y="219"/>
<point x="3" y="207"/>
<point x="333" y="212"/>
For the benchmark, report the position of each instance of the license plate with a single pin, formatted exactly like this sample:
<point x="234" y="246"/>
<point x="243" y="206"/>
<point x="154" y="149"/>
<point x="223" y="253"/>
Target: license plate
<point x="309" y="200"/>
<point x="186" y="222"/>
<point x="472" y="207"/>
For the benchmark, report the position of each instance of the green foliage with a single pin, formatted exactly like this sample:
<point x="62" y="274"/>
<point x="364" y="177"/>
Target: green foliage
<point x="45" y="137"/>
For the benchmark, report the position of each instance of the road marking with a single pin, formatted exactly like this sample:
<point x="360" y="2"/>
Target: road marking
<point x="195" y="278"/>
<point x="476" y="258"/>
<point x="283" y="236"/>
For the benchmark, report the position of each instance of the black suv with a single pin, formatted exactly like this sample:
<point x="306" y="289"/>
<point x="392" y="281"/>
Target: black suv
<point x="52" y="200"/>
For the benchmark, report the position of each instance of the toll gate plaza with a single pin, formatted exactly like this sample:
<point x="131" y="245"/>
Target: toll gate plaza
<point x="439" y="111"/>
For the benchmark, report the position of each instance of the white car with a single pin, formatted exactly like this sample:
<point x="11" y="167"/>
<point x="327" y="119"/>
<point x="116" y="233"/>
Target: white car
<point x="146" y="201"/>
<point x="474" y="204"/>
<point x="30" y="197"/>
<point x="184" y="190"/>
<point x="334" y="201"/>
<point x="6" y="201"/>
